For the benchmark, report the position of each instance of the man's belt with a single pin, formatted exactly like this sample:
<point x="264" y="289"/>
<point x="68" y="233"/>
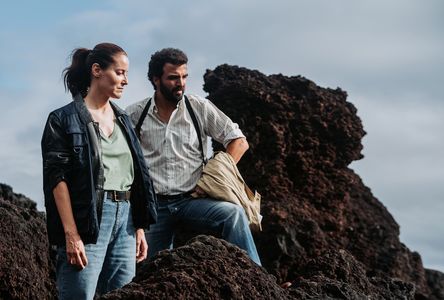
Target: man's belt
<point x="118" y="195"/>
<point x="173" y="197"/>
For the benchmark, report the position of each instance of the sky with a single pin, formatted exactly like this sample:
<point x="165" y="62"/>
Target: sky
<point x="387" y="55"/>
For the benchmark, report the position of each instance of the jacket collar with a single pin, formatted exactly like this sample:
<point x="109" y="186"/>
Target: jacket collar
<point x="84" y="114"/>
<point x="117" y="110"/>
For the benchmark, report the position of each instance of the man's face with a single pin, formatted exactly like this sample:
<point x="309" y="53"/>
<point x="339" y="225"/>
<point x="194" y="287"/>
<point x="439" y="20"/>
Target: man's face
<point x="172" y="82"/>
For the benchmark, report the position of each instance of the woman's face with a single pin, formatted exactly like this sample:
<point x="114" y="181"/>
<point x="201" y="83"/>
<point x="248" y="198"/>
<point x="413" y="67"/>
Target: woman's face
<point x="112" y="80"/>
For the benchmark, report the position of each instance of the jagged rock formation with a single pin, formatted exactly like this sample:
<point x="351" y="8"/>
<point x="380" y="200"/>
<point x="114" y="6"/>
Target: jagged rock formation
<point x="337" y="275"/>
<point x="435" y="281"/>
<point x="26" y="270"/>
<point x="323" y="229"/>
<point x="302" y="138"/>
<point x="205" y="268"/>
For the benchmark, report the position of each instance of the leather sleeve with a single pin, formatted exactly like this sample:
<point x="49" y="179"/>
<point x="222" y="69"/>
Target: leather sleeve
<point x="55" y="153"/>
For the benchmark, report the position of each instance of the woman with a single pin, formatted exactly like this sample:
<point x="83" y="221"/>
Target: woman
<point x="98" y="194"/>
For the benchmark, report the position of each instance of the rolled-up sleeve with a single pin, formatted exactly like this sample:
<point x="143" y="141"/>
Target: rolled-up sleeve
<point x="219" y="126"/>
<point x="55" y="153"/>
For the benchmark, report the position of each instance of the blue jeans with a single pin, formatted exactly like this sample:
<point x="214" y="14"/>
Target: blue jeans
<point x="111" y="261"/>
<point x="225" y="218"/>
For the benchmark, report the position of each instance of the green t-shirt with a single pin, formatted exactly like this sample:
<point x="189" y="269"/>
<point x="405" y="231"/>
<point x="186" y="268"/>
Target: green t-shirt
<point x="117" y="160"/>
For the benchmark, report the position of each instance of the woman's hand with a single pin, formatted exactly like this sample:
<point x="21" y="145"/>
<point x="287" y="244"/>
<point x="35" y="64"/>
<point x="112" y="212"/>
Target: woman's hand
<point x="141" y="245"/>
<point x="75" y="250"/>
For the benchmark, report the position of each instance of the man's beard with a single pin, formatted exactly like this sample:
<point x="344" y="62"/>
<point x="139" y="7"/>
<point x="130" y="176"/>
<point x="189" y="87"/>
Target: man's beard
<point x="169" y="94"/>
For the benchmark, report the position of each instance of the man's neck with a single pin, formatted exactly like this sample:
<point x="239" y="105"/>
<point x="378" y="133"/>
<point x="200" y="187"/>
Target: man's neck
<point x="162" y="102"/>
<point x="164" y="107"/>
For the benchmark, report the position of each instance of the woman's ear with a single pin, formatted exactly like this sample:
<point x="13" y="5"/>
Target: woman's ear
<point x="96" y="71"/>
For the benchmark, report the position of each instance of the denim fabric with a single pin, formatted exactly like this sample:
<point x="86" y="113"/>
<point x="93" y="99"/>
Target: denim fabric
<point x="225" y="218"/>
<point x="111" y="261"/>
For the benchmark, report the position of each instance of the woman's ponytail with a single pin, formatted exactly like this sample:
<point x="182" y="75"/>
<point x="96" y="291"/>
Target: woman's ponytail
<point x="77" y="76"/>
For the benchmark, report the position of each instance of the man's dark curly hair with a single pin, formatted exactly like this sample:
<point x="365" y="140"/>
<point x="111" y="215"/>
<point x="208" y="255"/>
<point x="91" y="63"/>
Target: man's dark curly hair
<point x="160" y="58"/>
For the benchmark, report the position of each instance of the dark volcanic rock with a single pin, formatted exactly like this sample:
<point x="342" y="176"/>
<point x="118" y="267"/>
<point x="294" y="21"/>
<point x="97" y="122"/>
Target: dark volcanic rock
<point x="338" y="275"/>
<point x="323" y="230"/>
<point x="26" y="271"/>
<point x="435" y="279"/>
<point x="302" y="138"/>
<point x="6" y="193"/>
<point x="205" y="268"/>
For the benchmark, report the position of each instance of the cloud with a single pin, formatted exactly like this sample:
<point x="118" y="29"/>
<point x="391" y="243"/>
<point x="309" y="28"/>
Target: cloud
<point x="388" y="56"/>
<point x="402" y="166"/>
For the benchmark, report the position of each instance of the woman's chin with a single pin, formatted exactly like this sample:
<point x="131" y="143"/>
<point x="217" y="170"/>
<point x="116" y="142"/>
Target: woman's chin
<point x="116" y="95"/>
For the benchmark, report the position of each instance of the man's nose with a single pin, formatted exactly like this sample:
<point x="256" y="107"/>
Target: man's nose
<point x="181" y="82"/>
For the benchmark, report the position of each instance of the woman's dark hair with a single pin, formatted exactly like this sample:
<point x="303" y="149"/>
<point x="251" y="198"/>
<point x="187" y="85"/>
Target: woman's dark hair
<point x="160" y="58"/>
<point x="77" y="77"/>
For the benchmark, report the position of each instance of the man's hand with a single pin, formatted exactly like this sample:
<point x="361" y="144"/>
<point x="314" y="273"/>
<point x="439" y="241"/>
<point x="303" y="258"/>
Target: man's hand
<point x="75" y="250"/>
<point x="141" y="245"/>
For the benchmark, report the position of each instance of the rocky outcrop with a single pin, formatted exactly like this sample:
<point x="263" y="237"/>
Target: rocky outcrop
<point x="338" y="275"/>
<point x="435" y="280"/>
<point x="323" y="230"/>
<point x="302" y="138"/>
<point x="205" y="268"/>
<point x="26" y="271"/>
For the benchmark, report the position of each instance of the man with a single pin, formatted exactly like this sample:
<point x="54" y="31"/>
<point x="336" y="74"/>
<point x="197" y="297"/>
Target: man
<point x="175" y="156"/>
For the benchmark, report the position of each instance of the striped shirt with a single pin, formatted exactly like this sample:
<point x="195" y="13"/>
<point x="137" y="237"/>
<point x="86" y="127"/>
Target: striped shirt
<point x="172" y="150"/>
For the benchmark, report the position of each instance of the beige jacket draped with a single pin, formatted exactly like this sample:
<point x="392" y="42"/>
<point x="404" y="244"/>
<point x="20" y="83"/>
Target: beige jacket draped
<point x="221" y="180"/>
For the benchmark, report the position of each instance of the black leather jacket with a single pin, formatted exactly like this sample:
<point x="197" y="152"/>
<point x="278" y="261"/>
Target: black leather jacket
<point x="72" y="153"/>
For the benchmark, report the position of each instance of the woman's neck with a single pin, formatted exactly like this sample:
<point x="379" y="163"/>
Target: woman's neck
<point x="96" y="101"/>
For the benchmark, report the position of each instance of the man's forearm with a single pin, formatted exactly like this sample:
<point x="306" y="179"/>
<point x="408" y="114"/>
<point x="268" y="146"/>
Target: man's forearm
<point x="236" y="148"/>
